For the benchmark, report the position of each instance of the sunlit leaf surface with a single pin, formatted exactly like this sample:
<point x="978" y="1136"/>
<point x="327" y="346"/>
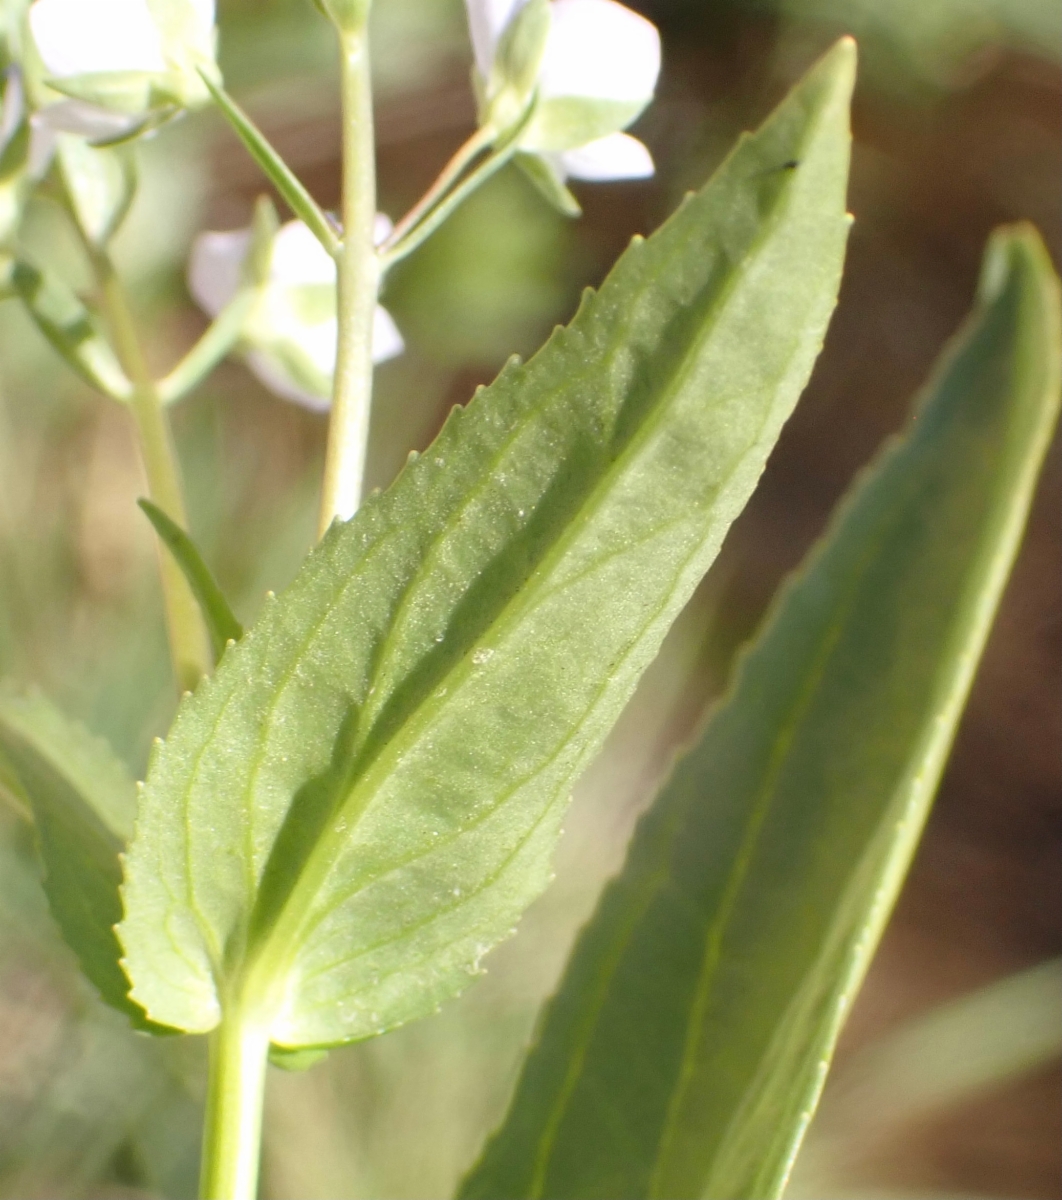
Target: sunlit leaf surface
<point x="365" y="797"/>
<point x="685" y="1050"/>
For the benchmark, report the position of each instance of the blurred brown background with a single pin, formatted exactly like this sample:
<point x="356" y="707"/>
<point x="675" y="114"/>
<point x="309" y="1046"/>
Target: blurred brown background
<point x="957" y="125"/>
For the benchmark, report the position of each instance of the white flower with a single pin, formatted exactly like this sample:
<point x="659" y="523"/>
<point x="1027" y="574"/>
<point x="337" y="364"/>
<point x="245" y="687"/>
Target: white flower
<point x="123" y="61"/>
<point x="291" y="333"/>
<point x="595" y="71"/>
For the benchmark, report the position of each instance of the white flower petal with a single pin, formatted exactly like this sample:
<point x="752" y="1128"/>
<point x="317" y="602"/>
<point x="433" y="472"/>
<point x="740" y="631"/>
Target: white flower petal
<point x="386" y="340"/>
<point x="280" y="383"/>
<point x="214" y="268"/>
<point x="487" y="20"/>
<point x="205" y="11"/>
<point x="78" y="37"/>
<point x="299" y="258"/>
<point x="13" y="108"/>
<point x="318" y="344"/>
<point x="293" y="357"/>
<point x="87" y="120"/>
<point x="381" y="228"/>
<point x="600" y="49"/>
<point x="618" y="156"/>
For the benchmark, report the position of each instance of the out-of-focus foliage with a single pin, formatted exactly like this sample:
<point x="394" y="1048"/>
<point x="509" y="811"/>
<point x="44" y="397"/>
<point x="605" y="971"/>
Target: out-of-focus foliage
<point x="943" y="42"/>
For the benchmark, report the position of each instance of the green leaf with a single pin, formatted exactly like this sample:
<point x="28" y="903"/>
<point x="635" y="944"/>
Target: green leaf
<point x="100" y="183"/>
<point x="67" y="324"/>
<point x="684" y="1052"/>
<point x="132" y="93"/>
<point x="366" y="795"/>
<point x="299" y="200"/>
<point x="523" y="43"/>
<point x="83" y="801"/>
<point x="564" y="122"/>
<point x="220" y="620"/>
<point x="549" y="183"/>
<point x="510" y="90"/>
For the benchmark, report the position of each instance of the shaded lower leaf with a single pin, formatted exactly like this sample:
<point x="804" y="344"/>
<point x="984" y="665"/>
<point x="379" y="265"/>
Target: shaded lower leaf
<point x="220" y="620"/>
<point x="83" y="801"/>
<point x="366" y="795"/>
<point x="685" y="1050"/>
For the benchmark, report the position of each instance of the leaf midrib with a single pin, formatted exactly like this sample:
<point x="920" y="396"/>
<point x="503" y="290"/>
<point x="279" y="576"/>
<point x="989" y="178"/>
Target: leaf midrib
<point x="765" y="796"/>
<point x="331" y="844"/>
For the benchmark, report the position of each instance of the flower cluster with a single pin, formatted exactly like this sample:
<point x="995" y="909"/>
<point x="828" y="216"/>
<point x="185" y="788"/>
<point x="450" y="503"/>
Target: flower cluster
<point x="571" y="74"/>
<point x="290" y="333"/>
<point x="558" y="82"/>
<point x="123" y="64"/>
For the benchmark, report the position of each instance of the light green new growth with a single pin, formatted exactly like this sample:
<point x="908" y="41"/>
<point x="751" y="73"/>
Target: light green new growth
<point x="685" y="1050"/>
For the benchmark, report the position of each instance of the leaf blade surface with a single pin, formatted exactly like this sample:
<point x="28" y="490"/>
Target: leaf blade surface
<point x="683" y="1054"/>
<point x="221" y="622"/>
<point x="365" y="796"/>
<point x="83" y="800"/>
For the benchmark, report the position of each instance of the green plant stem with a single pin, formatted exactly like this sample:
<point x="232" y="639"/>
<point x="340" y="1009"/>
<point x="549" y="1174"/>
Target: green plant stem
<point x="396" y="249"/>
<point x="448" y="176"/>
<point x="217" y="340"/>
<point x="359" y="278"/>
<point x="232" y="1129"/>
<point x="298" y="199"/>
<point x="189" y="644"/>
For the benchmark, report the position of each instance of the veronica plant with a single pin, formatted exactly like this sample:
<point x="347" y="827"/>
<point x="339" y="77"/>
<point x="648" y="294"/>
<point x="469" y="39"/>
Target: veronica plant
<point x="360" y="796"/>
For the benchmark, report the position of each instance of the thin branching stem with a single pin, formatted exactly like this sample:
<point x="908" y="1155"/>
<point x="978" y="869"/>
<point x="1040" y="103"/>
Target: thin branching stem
<point x="420" y="233"/>
<point x="189" y="643"/>
<point x="448" y="176"/>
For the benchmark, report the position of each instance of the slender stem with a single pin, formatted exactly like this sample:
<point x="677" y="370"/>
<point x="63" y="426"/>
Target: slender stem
<point x="359" y="279"/>
<point x="301" y="203"/>
<point x="448" y="176"/>
<point x="218" y="339"/>
<point x="393" y="251"/>
<point x="232" y="1129"/>
<point x="189" y="644"/>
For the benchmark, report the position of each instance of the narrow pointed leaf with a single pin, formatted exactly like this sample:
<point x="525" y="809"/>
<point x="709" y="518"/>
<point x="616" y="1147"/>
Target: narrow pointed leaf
<point x="83" y="802"/>
<point x="298" y="199"/>
<point x="366" y="795"/>
<point x="100" y="185"/>
<point x="220" y="620"/>
<point x="685" y="1049"/>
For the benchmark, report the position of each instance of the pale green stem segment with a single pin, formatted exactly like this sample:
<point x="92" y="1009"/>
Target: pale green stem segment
<point x="232" y="1129"/>
<point x="218" y="339"/>
<point x="359" y="279"/>
<point x="448" y="176"/>
<point x="189" y="644"/>
<point x="394" y="250"/>
<point x="299" y="200"/>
